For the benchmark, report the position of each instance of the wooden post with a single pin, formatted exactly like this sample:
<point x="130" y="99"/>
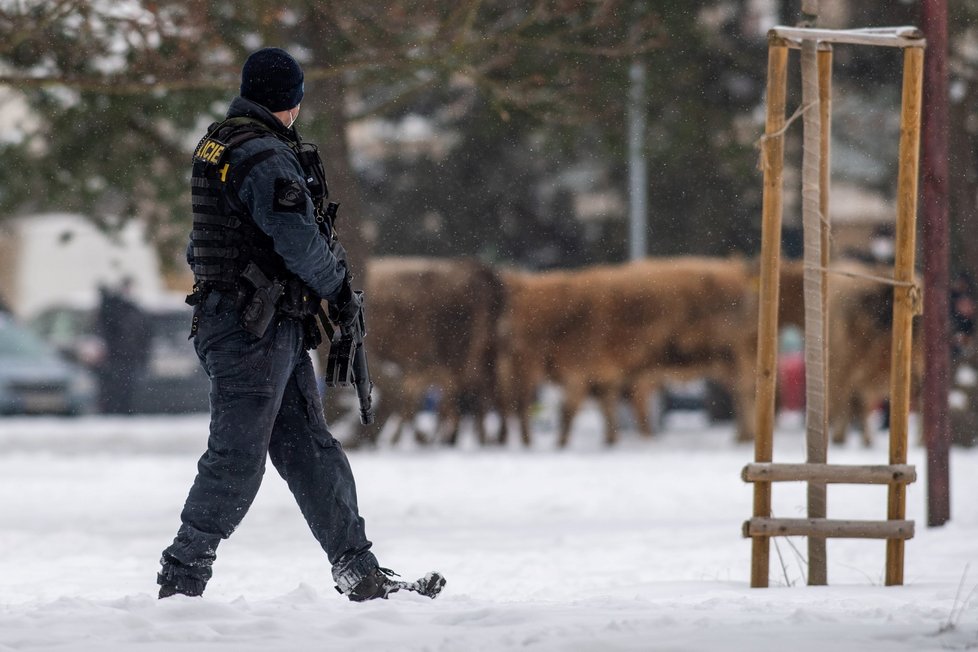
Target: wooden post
<point x="825" y="181"/>
<point x="820" y="62"/>
<point x="772" y="156"/>
<point x="816" y="416"/>
<point x="824" y="187"/>
<point x="904" y="296"/>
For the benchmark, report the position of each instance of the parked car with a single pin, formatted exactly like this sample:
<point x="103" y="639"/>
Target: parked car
<point x="34" y="379"/>
<point x="174" y="381"/>
<point x="699" y="395"/>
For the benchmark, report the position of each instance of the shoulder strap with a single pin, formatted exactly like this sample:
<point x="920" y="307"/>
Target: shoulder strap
<point x="234" y="132"/>
<point x="241" y="170"/>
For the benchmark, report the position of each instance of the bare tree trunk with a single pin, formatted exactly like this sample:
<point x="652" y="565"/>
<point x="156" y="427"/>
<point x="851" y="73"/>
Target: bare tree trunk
<point x="935" y="250"/>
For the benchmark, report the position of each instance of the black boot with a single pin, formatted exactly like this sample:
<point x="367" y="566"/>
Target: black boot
<point x="173" y="582"/>
<point x="379" y="584"/>
<point x="168" y="590"/>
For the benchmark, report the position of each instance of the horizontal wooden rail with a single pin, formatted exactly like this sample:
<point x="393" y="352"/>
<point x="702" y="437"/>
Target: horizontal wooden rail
<point x="896" y="37"/>
<point x="828" y="528"/>
<point x="830" y="473"/>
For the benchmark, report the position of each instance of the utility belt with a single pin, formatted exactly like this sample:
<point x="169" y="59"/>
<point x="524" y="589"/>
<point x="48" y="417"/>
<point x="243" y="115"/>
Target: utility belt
<point x="261" y="300"/>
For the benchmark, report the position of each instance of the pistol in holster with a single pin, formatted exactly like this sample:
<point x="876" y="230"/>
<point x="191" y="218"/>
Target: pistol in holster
<point x="261" y="309"/>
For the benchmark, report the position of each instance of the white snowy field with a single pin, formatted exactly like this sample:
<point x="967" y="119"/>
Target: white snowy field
<point x="633" y="548"/>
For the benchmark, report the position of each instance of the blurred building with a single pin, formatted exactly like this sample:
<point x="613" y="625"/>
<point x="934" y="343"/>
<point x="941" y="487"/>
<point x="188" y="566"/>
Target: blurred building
<point x="63" y="258"/>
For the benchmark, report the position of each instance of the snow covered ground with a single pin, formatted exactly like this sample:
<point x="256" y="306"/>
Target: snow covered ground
<point x="633" y="548"/>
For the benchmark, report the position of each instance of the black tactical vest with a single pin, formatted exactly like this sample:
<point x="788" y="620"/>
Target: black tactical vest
<point x="225" y="238"/>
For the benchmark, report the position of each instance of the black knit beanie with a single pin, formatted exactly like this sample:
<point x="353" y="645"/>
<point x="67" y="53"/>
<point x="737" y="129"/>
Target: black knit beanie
<point x="272" y="78"/>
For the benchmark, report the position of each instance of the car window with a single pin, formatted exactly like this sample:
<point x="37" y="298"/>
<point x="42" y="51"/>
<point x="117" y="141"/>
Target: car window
<point x="19" y="342"/>
<point x="62" y="325"/>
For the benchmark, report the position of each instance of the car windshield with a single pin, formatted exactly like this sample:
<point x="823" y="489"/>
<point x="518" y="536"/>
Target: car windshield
<point x="18" y="342"/>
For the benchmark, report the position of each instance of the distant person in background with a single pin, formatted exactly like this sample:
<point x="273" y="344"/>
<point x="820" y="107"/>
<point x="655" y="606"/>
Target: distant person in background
<point x="963" y="311"/>
<point x="125" y="330"/>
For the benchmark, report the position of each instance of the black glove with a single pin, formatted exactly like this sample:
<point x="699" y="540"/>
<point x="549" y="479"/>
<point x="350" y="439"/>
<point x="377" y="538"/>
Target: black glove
<point x="339" y="251"/>
<point x="345" y="308"/>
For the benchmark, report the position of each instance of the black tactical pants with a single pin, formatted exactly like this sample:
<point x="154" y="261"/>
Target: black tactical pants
<point x="264" y="401"/>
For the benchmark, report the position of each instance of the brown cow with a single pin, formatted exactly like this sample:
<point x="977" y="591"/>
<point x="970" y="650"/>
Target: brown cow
<point x="539" y="330"/>
<point x="598" y="329"/>
<point x="431" y="323"/>
<point x="860" y="312"/>
<point x="606" y="329"/>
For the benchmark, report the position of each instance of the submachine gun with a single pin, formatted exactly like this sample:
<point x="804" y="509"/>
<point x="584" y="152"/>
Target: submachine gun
<point x="346" y="365"/>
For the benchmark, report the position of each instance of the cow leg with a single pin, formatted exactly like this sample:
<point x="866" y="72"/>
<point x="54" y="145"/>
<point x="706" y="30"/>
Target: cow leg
<point x="422" y="437"/>
<point x="609" y="406"/>
<point x="503" y="435"/>
<point x="745" y="418"/>
<point x="411" y="393"/>
<point x="513" y="405"/>
<point x="574" y="393"/>
<point x="449" y="419"/>
<point x="745" y="403"/>
<point x="509" y="406"/>
<point x="844" y="418"/>
<point x="479" y="417"/>
<point x="398" y="429"/>
<point x="524" y="403"/>
<point x="447" y="432"/>
<point x="839" y="426"/>
<point x="480" y="426"/>
<point x="389" y="405"/>
<point x="862" y="412"/>
<point x="641" y="392"/>
<point x="481" y="409"/>
<point x="507" y="402"/>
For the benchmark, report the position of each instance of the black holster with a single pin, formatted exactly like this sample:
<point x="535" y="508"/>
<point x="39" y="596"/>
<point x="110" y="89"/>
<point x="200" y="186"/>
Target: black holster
<point x="261" y="309"/>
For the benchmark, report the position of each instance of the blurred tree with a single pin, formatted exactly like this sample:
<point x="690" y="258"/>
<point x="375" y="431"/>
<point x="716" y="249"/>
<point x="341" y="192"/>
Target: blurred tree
<point x="527" y="98"/>
<point x="705" y="193"/>
<point x="704" y="198"/>
<point x="120" y="91"/>
<point x="104" y="131"/>
<point x="495" y="192"/>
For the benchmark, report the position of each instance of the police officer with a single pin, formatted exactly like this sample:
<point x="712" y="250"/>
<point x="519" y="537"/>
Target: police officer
<point x="262" y="262"/>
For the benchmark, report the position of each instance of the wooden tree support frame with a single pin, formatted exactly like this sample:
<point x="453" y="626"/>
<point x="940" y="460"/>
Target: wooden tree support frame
<point x="895" y="530"/>
<point x="826" y="527"/>
<point x="830" y="473"/>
